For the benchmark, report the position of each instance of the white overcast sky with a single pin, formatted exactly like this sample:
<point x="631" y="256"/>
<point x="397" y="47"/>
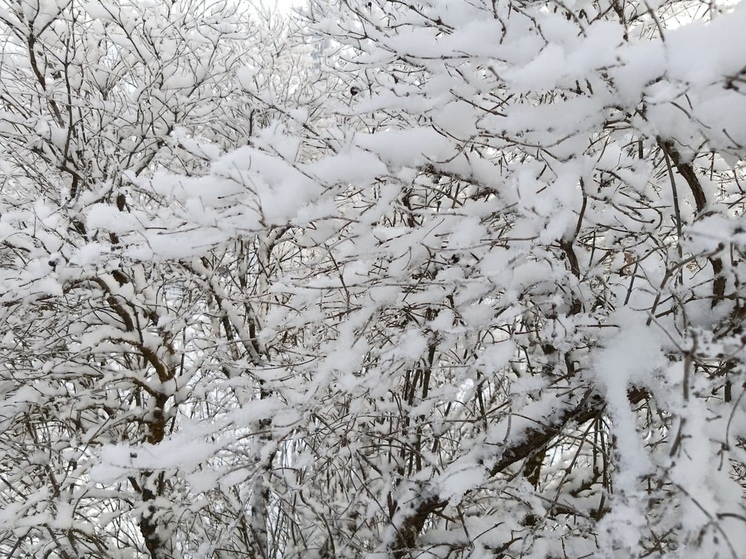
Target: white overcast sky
<point x="284" y="4"/>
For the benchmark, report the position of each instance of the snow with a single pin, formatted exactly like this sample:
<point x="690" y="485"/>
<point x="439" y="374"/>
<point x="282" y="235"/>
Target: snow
<point x="474" y="307"/>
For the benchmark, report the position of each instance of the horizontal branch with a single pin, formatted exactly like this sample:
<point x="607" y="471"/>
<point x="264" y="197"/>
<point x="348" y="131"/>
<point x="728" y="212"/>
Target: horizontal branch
<point x="530" y="442"/>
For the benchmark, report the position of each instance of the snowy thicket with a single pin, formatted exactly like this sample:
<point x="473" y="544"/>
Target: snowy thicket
<point x="452" y="278"/>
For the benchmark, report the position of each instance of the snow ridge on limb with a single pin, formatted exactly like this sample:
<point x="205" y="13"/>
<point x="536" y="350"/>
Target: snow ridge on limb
<point x="519" y="444"/>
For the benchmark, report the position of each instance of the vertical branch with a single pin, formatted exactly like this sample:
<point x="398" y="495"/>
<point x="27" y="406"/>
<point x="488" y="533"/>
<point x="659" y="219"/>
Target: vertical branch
<point x="686" y="170"/>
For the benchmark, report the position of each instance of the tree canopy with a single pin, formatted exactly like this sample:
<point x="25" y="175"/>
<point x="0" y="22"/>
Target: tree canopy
<point x="388" y="279"/>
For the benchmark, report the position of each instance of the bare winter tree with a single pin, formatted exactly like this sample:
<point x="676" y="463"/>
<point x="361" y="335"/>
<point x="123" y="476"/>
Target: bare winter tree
<point x="451" y="279"/>
<point x="531" y="284"/>
<point x="111" y="346"/>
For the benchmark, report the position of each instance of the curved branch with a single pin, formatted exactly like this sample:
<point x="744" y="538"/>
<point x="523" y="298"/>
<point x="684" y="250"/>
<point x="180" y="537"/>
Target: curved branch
<point x="686" y="170"/>
<point x="531" y="441"/>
